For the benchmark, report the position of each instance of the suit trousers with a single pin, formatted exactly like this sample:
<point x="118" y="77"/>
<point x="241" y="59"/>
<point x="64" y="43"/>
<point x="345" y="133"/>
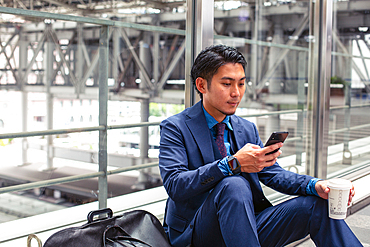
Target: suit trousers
<point x="227" y="218"/>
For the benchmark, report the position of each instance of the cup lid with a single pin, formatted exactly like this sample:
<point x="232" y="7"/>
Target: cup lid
<point x="339" y="183"/>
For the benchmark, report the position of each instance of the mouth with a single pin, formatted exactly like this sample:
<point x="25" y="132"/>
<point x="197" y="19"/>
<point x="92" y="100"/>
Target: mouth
<point x="233" y="103"/>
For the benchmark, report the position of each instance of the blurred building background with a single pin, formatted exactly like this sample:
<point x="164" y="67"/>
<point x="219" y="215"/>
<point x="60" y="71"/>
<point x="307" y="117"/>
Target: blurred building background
<point x="84" y="85"/>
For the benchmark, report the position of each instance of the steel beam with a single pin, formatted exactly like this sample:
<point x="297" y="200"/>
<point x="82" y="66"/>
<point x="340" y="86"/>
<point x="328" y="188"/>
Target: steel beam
<point x="269" y="73"/>
<point x="129" y="59"/>
<point x="171" y="67"/>
<point x="354" y="65"/>
<point x="54" y="38"/>
<point x="48" y="68"/>
<point x="40" y="44"/>
<point x="79" y="59"/>
<point x="363" y="60"/>
<point x="137" y="59"/>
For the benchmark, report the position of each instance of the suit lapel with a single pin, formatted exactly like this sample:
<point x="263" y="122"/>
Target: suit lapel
<point x="238" y="134"/>
<point x="198" y="127"/>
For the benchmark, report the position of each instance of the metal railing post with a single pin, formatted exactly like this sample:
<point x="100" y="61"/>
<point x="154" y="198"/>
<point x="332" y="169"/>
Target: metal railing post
<point x="103" y="108"/>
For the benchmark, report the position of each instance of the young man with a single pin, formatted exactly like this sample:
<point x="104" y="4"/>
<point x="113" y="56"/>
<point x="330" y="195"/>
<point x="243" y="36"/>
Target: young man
<point x="212" y="174"/>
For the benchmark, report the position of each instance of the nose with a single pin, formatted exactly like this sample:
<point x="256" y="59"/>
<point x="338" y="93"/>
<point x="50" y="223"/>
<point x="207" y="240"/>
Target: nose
<point x="235" y="91"/>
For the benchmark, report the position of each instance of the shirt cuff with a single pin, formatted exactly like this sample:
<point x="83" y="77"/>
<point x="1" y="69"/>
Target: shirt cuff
<point x="310" y="189"/>
<point x="224" y="167"/>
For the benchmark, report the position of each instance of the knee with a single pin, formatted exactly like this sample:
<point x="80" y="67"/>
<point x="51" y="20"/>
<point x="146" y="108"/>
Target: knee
<point x="315" y="206"/>
<point x="235" y="188"/>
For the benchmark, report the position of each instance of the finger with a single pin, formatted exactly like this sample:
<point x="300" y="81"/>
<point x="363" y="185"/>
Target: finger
<point x="349" y="200"/>
<point x="326" y="190"/>
<point x="273" y="156"/>
<point x="255" y="147"/>
<point x="268" y="163"/>
<point x="273" y="147"/>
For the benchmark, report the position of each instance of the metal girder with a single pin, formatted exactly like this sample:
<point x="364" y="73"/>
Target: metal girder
<point x="141" y="66"/>
<point x="172" y="49"/>
<point x="355" y="67"/>
<point x="11" y="54"/>
<point x="93" y="63"/>
<point x="36" y="52"/>
<point x="86" y="54"/>
<point x="20" y="4"/>
<point x="54" y="38"/>
<point x="125" y="66"/>
<point x="64" y="5"/>
<point x="363" y="60"/>
<point x="60" y="63"/>
<point x="8" y="42"/>
<point x="291" y="42"/>
<point x="172" y="65"/>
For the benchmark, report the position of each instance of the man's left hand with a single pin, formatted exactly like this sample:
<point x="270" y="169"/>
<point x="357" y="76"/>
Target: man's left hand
<point x="322" y="189"/>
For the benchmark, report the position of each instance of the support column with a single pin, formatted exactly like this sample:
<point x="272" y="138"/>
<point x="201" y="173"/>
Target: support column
<point x="145" y="56"/>
<point x="275" y="82"/>
<point x="319" y="83"/>
<point x="116" y="56"/>
<point x="156" y="60"/>
<point x="103" y="110"/>
<point x="23" y="51"/>
<point x="347" y="154"/>
<point x="302" y="65"/>
<point x="79" y="61"/>
<point x="49" y="48"/>
<point x="144" y="176"/>
<point x="254" y="67"/>
<point x="273" y="122"/>
<point x="199" y="35"/>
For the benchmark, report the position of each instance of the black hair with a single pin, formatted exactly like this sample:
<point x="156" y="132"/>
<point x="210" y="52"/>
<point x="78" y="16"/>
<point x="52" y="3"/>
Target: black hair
<point x="210" y="59"/>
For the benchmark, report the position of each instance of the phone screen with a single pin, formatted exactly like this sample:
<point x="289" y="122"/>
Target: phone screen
<point x="276" y="137"/>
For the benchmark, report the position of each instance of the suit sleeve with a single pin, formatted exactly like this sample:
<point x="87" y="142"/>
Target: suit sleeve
<point x="281" y="180"/>
<point x="181" y="165"/>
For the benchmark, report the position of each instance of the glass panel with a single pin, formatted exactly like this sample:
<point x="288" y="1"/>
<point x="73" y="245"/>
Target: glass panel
<point x="49" y="80"/>
<point x="274" y="38"/>
<point x="349" y="89"/>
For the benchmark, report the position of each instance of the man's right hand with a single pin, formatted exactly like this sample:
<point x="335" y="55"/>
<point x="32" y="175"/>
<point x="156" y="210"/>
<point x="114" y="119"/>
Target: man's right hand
<point x="253" y="158"/>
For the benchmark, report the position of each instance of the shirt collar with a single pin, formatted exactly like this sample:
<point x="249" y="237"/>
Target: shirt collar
<point x="211" y="121"/>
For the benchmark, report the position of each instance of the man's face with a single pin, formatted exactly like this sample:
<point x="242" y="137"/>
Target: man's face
<point x="226" y="90"/>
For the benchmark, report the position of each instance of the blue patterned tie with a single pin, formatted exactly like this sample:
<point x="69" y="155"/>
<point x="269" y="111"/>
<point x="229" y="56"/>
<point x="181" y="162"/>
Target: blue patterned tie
<point x="220" y="128"/>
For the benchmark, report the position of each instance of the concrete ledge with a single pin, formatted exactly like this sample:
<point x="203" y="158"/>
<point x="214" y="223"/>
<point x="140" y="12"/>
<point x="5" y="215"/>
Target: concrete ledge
<point x="14" y="233"/>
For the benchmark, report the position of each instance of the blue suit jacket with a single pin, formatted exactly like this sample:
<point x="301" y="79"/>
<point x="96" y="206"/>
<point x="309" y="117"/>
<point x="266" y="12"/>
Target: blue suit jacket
<point x="189" y="169"/>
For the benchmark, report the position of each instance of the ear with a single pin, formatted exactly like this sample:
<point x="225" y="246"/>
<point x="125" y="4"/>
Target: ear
<point x="201" y="84"/>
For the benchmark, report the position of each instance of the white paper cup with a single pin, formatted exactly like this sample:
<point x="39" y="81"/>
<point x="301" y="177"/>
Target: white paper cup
<point x="338" y="197"/>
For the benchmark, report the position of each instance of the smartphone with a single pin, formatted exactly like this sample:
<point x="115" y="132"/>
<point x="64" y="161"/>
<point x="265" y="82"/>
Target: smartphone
<point x="276" y="137"/>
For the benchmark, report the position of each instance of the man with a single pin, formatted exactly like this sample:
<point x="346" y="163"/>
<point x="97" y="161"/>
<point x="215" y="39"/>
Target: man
<point x="215" y="202"/>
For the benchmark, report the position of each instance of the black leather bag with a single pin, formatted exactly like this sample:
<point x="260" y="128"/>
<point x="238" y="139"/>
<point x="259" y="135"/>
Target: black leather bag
<point x="135" y="228"/>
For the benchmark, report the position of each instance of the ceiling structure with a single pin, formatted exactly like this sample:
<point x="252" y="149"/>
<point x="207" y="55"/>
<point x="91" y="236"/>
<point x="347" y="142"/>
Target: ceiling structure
<point x="232" y="19"/>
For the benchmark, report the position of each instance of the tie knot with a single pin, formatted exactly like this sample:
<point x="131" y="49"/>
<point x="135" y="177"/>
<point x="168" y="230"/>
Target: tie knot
<point x="220" y="127"/>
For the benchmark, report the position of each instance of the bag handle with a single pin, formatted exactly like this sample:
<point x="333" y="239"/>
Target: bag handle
<point x="101" y="212"/>
<point x="29" y="239"/>
<point x="125" y="236"/>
